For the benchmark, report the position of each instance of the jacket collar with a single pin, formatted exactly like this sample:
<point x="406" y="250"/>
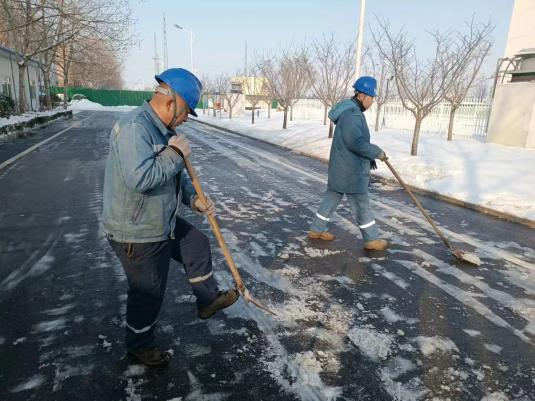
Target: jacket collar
<point x="153" y="117"/>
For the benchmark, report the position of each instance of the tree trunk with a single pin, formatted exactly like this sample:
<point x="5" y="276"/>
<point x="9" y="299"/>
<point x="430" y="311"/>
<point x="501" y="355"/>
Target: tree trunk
<point x="213" y="107"/>
<point x="230" y="111"/>
<point x="269" y="108"/>
<point x="47" y="100"/>
<point x="221" y="103"/>
<point x="377" y="117"/>
<point x="450" y="125"/>
<point x="252" y="113"/>
<point x="291" y="113"/>
<point x="204" y="105"/>
<point x="22" y="91"/>
<point x="285" y="120"/>
<point x="325" y="117"/>
<point x="416" y="135"/>
<point x="331" y="126"/>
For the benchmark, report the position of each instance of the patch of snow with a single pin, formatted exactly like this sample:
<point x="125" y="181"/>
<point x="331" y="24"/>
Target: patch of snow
<point x="371" y="343"/>
<point x="320" y="253"/>
<point x="496" y="396"/>
<point x="430" y="345"/>
<point x="33" y="382"/>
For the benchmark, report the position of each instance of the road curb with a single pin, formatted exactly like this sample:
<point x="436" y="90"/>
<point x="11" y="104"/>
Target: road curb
<point x="33" y="122"/>
<point x="432" y="194"/>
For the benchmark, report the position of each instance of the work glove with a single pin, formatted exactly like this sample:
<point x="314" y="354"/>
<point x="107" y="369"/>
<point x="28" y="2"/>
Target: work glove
<point x="207" y="207"/>
<point x="373" y="165"/>
<point x="382" y="156"/>
<point x="180" y="144"/>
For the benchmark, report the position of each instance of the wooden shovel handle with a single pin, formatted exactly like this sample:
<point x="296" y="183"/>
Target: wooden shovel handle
<point x="215" y="226"/>
<point x="415" y="200"/>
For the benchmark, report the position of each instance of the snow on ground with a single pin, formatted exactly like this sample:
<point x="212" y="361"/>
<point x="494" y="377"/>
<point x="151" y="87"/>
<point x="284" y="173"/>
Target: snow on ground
<point x="27" y="116"/>
<point x="494" y="176"/>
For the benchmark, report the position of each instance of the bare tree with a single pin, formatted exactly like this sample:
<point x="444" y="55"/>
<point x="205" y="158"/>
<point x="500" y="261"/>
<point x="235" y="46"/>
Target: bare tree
<point x="29" y="28"/>
<point x="329" y="69"/>
<point x="210" y="91"/>
<point x="230" y="92"/>
<point x="378" y="67"/>
<point x="476" y="44"/>
<point x="255" y="90"/>
<point x="285" y="77"/>
<point x="422" y="85"/>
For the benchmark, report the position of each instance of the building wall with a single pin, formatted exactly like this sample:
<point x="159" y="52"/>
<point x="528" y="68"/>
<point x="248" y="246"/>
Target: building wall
<point x="512" y="122"/>
<point x="9" y="80"/>
<point x="521" y="28"/>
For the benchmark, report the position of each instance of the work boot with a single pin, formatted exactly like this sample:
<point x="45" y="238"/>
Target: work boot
<point x="224" y="300"/>
<point x="376" y="245"/>
<point x="324" y="235"/>
<point x="151" y="356"/>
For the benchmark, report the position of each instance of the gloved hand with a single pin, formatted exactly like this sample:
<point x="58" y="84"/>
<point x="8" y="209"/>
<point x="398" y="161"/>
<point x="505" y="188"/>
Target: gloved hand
<point x="382" y="157"/>
<point x="181" y="143"/>
<point x="373" y="165"/>
<point x="207" y="207"/>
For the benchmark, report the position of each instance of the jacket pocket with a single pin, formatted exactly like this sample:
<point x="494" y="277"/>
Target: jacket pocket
<point x="139" y="209"/>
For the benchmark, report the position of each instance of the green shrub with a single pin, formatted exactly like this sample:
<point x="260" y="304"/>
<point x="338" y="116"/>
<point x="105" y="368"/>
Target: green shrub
<point x="7" y="106"/>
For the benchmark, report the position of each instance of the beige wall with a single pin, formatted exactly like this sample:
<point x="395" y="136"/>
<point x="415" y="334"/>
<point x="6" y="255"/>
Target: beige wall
<point x="521" y="28"/>
<point x="512" y="120"/>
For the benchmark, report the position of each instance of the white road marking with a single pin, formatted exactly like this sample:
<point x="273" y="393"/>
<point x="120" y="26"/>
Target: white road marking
<point x="37" y="145"/>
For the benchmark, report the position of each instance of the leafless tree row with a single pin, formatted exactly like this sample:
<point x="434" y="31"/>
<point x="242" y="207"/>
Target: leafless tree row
<point x="447" y="75"/>
<point x="324" y="69"/>
<point x="83" y="39"/>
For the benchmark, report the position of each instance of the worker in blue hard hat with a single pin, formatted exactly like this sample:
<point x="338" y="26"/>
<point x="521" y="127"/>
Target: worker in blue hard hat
<point x="352" y="155"/>
<point x="143" y="184"/>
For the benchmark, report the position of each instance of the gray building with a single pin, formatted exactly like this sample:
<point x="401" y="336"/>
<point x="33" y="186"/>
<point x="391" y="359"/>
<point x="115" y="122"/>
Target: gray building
<point x="9" y="79"/>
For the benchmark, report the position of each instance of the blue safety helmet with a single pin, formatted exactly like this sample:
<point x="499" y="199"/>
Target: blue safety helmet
<point x="185" y="84"/>
<point x="366" y="85"/>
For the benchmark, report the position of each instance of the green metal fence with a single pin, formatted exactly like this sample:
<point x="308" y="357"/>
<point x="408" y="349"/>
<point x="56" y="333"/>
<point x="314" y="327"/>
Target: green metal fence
<point x="107" y="97"/>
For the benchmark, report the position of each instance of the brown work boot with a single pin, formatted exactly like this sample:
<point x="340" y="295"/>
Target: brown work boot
<point x="224" y="300"/>
<point x="376" y="245"/>
<point x="151" y="356"/>
<point x="324" y="235"/>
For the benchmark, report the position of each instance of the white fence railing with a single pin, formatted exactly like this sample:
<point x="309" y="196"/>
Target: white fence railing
<point x="470" y="119"/>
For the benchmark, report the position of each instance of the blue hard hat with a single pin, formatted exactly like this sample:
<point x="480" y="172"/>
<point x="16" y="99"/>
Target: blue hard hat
<point x="185" y="84"/>
<point x="366" y="85"/>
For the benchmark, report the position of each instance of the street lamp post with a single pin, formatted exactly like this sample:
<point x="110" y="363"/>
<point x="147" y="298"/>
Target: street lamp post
<point x="360" y="38"/>
<point x="190" y="32"/>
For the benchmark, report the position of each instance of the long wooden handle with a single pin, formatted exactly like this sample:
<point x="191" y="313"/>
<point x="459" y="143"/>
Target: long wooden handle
<point x="215" y="226"/>
<point x="442" y="236"/>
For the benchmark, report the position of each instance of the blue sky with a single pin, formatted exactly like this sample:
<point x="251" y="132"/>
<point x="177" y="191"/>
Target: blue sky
<point x="221" y="28"/>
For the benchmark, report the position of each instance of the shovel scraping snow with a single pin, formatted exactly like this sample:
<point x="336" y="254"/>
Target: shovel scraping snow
<point x="217" y="232"/>
<point x="463" y="256"/>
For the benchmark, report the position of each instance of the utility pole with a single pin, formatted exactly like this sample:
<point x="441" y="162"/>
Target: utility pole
<point x="164" y="44"/>
<point x="190" y="32"/>
<point x="156" y="58"/>
<point x="360" y="38"/>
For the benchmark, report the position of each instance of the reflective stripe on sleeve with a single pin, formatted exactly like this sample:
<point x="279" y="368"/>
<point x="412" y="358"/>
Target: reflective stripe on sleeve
<point x="322" y="217"/>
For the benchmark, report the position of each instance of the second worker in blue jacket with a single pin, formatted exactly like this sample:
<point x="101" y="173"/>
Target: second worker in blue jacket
<point x="349" y="166"/>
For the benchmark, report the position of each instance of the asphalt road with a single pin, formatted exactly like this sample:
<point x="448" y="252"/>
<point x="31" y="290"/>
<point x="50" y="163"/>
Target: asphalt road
<point x="409" y="323"/>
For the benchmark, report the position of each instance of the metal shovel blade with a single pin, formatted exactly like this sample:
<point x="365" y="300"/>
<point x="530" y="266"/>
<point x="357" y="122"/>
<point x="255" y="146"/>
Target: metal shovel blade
<point x="467" y="257"/>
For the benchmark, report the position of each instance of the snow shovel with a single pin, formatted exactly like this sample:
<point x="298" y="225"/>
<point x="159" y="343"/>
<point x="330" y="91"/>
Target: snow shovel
<point x="240" y="286"/>
<point x="463" y="256"/>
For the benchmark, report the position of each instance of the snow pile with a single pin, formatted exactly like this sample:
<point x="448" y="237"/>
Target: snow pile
<point x="86" y="104"/>
<point x="494" y="176"/>
<point x="371" y="343"/>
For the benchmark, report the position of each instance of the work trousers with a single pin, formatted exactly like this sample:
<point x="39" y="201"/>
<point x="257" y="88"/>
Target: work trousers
<point x="146" y="266"/>
<point x="360" y="206"/>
